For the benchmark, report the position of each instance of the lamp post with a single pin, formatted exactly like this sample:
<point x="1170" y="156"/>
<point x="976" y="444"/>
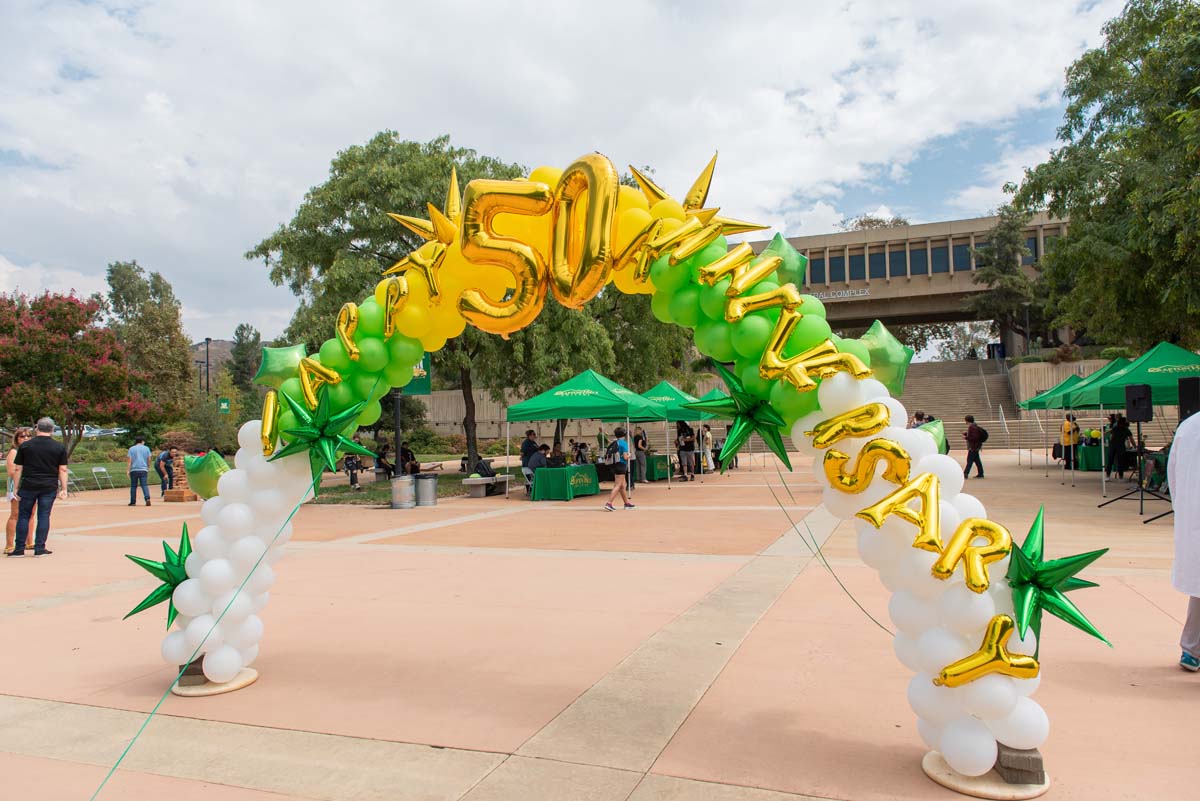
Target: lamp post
<point x="208" y="342"/>
<point x="1026" y="305"/>
<point x="199" y="374"/>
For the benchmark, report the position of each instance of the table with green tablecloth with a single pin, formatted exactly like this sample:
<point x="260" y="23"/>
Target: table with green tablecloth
<point x="565" y="483"/>
<point x="659" y="467"/>
<point x="1089" y="458"/>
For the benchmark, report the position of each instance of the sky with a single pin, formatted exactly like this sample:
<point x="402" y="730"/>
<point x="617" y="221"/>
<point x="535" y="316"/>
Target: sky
<point x="180" y="134"/>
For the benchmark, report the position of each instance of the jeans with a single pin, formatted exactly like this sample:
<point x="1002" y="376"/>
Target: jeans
<point x="166" y="478"/>
<point x="973" y="459"/>
<point x="138" y="478"/>
<point x="45" y="502"/>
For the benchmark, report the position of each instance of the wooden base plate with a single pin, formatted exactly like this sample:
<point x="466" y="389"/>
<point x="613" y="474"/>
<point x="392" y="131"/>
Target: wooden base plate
<point x="243" y="679"/>
<point x="989" y="785"/>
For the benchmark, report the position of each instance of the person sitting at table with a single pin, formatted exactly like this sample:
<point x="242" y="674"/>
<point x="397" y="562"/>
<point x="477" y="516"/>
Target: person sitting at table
<point x="540" y="458"/>
<point x="557" y="457"/>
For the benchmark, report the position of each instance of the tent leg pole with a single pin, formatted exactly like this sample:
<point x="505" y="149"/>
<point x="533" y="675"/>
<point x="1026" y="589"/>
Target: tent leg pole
<point x="507" y="445"/>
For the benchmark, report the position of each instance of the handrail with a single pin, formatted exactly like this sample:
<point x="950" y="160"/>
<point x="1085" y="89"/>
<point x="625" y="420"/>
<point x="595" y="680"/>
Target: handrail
<point x="987" y="397"/>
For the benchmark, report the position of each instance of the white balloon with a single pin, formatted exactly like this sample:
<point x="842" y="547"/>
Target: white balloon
<point x="1025" y="727"/>
<point x="222" y="664"/>
<point x="211" y="508"/>
<point x="216" y="577"/>
<point x="892" y="576"/>
<point x="873" y="389"/>
<point x="1001" y="595"/>
<point x="897" y="414"/>
<point x="245" y="554"/>
<point x="939" y="647"/>
<point x="1027" y="687"/>
<point x="245" y="634"/>
<point x="192" y="564"/>
<point x="967" y="746"/>
<point x="260" y="601"/>
<point x="916" y="571"/>
<point x="249" y="655"/>
<point x="1016" y="643"/>
<point x="234" y="486"/>
<point x="839" y="393"/>
<point x="263" y="474"/>
<point x="236" y="520"/>
<point x="181" y="621"/>
<point x="806" y="423"/>
<point x="948" y="471"/>
<point x="907" y="651"/>
<point x="275" y="537"/>
<point x="843" y="505"/>
<point x="872" y="547"/>
<point x="919" y="444"/>
<point x="190" y="599"/>
<point x="968" y="506"/>
<point x="203" y="633"/>
<point x="232" y="606"/>
<point x="911" y="614"/>
<point x="931" y="733"/>
<point x="175" y="649"/>
<point x="935" y="704"/>
<point x="963" y="611"/>
<point x="261" y="580"/>
<point x="270" y="503"/>
<point x="274" y="555"/>
<point x="245" y="458"/>
<point x="208" y="543"/>
<point x="250" y="435"/>
<point x="949" y="518"/>
<point x="990" y="697"/>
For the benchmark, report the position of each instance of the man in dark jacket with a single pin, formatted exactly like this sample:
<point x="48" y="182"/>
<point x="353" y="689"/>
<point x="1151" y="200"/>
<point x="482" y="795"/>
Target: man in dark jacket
<point x="540" y="458"/>
<point x="974" y="437"/>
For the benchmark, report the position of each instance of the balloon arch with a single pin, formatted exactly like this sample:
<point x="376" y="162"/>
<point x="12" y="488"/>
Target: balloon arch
<point x="967" y="603"/>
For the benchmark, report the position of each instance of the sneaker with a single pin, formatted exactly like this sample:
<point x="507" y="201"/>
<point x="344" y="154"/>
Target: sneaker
<point x="965" y="476"/>
<point x="147" y="501"/>
<point x="15" y="554"/>
<point x="1186" y="660"/>
<point x="608" y="507"/>
<point x="630" y="506"/>
<point x="133" y="504"/>
<point x="42" y="552"/>
<point x="979" y="476"/>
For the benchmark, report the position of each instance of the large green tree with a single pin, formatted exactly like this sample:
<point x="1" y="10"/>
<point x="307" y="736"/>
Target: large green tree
<point x="1125" y="173"/>
<point x="244" y="357"/>
<point x="998" y="265"/>
<point x="145" y="316"/>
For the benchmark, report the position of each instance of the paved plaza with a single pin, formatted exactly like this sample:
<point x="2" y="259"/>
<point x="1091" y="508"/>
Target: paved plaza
<point x="500" y="650"/>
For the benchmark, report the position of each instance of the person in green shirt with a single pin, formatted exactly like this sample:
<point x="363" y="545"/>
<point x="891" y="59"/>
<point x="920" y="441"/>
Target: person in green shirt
<point x="601" y="440"/>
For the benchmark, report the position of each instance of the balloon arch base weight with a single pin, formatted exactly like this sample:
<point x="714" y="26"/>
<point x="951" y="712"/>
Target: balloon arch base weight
<point x="244" y="678"/>
<point x="989" y="785"/>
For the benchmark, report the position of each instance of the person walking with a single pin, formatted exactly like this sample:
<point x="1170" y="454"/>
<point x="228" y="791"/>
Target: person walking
<point x="137" y="465"/>
<point x="1069" y="438"/>
<point x="1183" y="474"/>
<point x="164" y="465"/>
<point x="620" y="468"/>
<point x="43" y="478"/>
<point x="975" y="436"/>
<point x="14" y="473"/>
<point x="706" y="449"/>
<point x="641" y="454"/>
<point x="685" y="441"/>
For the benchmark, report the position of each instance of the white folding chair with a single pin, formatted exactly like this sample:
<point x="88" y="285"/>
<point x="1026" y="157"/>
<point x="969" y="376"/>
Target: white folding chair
<point x="72" y="481"/>
<point x="102" y="472"/>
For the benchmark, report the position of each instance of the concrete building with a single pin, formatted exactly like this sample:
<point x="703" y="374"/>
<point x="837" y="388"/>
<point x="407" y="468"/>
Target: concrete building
<point x="910" y="274"/>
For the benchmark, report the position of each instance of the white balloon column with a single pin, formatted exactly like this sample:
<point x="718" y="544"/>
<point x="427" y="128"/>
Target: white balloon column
<point x="230" y="570"/>
<point x="938" y="621"/>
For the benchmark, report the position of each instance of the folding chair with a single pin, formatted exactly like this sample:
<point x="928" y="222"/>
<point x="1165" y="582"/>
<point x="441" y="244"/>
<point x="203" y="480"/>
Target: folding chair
<point x="528" y="480"/>
<point x="102" y="472"/>
<point x="72" y="481"/>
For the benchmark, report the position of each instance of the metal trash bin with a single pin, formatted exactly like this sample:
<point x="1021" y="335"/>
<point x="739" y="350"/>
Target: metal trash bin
<point x="402" y="493"/>
<point x="426" y="489"/>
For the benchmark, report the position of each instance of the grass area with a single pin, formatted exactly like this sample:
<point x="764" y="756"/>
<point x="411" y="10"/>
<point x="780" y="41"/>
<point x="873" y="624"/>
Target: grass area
<point x="379" y="493"/>
<point x="85" y="481"/>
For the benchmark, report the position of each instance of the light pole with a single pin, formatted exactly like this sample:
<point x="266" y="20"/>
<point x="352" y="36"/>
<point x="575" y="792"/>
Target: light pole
<point x="199" y="375"/>
<point x="208" y="341"/>
<point x="1026" y="305"/>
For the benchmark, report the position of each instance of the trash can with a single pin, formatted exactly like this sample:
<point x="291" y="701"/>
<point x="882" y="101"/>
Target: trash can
<point x="402" y="492"/>
<point x="427" y="489"/>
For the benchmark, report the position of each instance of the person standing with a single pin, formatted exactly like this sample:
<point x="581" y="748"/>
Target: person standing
<point x="706" y="449"/>
<point x="1118" y="443"/>
<point x="974" y="436"/>
<point x="138" y="467"/>
<point x="164" y="465"/>
<point x="641" y="453"/>
<point x="685" y="440"/>
<point x="529" y="447"/>
<point x="43" y="478"/>
<point x="1183" y="473"/>
<point x="620" y="468"/>
<point x="601" y="440"/>
<point x="1069" y="438"/>
<point x="14" y="473"/>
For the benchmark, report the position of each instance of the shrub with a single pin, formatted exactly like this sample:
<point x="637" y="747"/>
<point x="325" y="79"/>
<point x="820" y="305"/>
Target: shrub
<point x="1065" y="353"/>
<point x="1032" y="359"/>
<point x="1117" y="352"/>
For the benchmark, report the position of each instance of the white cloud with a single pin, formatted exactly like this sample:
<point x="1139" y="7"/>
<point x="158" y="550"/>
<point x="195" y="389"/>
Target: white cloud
<point x="181" y="134"/>
<point x="36" y="278"/>
<point x="983" y="197"/>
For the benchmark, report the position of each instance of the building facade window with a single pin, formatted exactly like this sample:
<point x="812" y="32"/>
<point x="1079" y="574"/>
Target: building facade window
<point x="837" y="269"/>
<point x="877" y="265"/>
<point x="858" y="267"/>
<point x="897" y="264"/>
<point x="1031" y="246"/>
<point x="917" y="262"/>
<point x="818" y="271"/>
<point x="941" y="260"/>
<point x="962" y="257"/>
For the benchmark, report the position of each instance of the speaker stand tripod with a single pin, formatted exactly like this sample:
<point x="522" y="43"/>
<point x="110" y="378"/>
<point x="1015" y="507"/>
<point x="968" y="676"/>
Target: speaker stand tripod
<point x="1140" y="491"/>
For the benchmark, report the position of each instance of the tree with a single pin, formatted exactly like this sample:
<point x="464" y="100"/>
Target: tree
<point x="871" y="222"/>
<point x="214" y="428"/>
<point x="1128" y="268"/>
<point x="57" y="360"/>
<point x="145" y="316"/>
<point x="247" y="350"/>
<point x="998" y="266"/>
<point x="966" y="341"/>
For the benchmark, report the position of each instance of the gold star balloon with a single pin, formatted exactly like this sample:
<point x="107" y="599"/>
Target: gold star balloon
<point x="439" y="232"/>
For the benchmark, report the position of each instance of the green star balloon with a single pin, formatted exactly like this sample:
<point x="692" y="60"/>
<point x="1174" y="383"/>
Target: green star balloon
<point x="889" y="357"/>
<point x="749" y="415"/>
<point x="203" y="472"/>
<point x="1038" y="585"/>
<point x="278" y="365"/>
<point x="938" y="432"/>
<point x="170" y="571"/>
<point x="321" y="434"/>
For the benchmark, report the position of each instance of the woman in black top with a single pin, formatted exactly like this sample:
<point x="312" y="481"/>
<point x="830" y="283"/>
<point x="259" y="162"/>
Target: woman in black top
<point x="1118" y="444"/>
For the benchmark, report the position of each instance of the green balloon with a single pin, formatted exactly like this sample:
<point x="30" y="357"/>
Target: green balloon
<point x="712" y="339"/>
<point x="660" y="306"/>
<point x="706" y="256"/>
<point x="292" y="389"/>
<point x="809" y="332"/>
<point x="857" y="348"/>
<point x="750" y="335"/>
<point x="334" y="355"/>
<point x="342" y="395"/>
<point x="761" y="287"/>
<point x="685" y="306"/>
<point x="889" y="357"/>
<point x="790" y="402"/>
<point x="365" y="383"/>
<point x="668" y="278"/>
<point x="370" y="414"/>
<point x="382" y="388"/>
<point x="372" y="355"/>
<point x="397" y="374"/>
<point x="712" y="299"/>
<point x="754" y="383"/>
<point x="812" y="307"/>
<point x="404" y="350"/>
<point x="278" y="364"/>
<point x="203" y="472"/>
<point x="370" y="319"/>
<point x="287" y="421"/>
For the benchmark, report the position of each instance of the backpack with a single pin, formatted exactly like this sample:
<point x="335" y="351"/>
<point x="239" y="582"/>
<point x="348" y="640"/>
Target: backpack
<point x="613" y="454"/>
<point x="983" y="434"/>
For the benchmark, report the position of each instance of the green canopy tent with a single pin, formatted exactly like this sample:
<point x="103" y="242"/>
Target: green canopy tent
<point x="587" y="395"/>
<point x="1043" y="400"/>
<point x="1068" y="399"/>
<point x="1161" y="367"/>
<point x="672" y="399"/>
